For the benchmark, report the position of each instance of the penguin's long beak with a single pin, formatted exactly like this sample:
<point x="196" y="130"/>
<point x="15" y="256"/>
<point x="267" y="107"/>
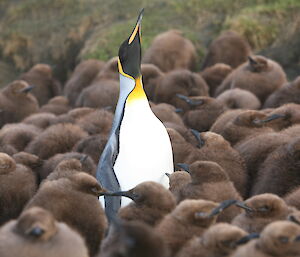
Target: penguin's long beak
<point x="247" y="238"/>
<point x="270" y="118"/>
<point x="127" y="194"/>
<point x="137" y="29"/>
<point x="130" y="52"/>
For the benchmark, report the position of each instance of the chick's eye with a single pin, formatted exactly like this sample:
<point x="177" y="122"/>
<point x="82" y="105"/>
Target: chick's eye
<point x="283" y="239"/>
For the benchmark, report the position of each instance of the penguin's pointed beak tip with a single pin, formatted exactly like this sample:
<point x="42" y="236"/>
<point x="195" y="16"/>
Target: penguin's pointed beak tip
<point x="137" y="28"/>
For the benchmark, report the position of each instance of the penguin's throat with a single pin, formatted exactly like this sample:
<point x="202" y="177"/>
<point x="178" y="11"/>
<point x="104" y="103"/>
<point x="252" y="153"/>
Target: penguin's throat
<point x="137" y="93"/>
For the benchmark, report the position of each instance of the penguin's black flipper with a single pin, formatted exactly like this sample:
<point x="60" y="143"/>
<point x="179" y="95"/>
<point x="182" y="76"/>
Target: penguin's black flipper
<point x="107" y="178"/>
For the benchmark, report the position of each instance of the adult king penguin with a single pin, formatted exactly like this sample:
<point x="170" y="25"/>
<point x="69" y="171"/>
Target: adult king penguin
<point x="139" y="147"/>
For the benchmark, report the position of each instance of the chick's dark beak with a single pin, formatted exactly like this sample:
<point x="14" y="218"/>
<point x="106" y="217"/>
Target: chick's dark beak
<point x="36" y="231"/>
<point x="26" y="89"/>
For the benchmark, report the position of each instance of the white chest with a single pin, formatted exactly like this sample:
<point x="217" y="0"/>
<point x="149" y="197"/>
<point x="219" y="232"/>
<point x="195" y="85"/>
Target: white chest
<point x="145" y="152"/>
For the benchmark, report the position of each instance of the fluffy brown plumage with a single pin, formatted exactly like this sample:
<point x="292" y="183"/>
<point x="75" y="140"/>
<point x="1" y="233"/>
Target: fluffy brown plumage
<point x="87" y="163"/>
<point x="36" y="233"/>
<point x="180" y="82"/>
<point x="279" y="173"/>
<point x="237" y="98"/>
<point x="214" y="76"/>
<point x="266" y="208"/>
<point x="81" y="77"/>
<point x="229" y="48"/>
<point x="92" y="146"/>
<point x="40" y="120"/>
<point x="170" y="50"/>
<point x="259" y="75"/>
<point x="289" y="93"/>
<point x="203" y="112"/>
<point x="132" y="239"/>
<point x="13" y="96"/>
<point x="178" y="180"/>
<point x="219" y="240"/>
<point x="56" y="105"/>
<point x="74" y="200"/>
<point x="17" y="186"/>
<point x="245" y="125"/>
<point x="280" y="238"/>
<point x="58" y="138"/>
<point x="210" y="182"/>
<point x="216" y="149"/>
<point x="190" y="218"/>
<point x="100" y="94"/>
<point x="18" y="135"/>
<point x="151" y="202"/>
<point x="256" y="149"/>
<point x="45" y="85"/>
<point x="109" y="71"/>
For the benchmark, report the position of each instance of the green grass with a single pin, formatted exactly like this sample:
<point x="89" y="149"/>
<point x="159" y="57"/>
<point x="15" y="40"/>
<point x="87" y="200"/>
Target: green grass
<point x="66" y="31"/>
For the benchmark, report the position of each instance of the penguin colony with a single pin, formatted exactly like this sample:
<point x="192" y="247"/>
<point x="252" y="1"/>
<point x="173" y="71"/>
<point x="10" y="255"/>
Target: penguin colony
<point x="234" y="126"/>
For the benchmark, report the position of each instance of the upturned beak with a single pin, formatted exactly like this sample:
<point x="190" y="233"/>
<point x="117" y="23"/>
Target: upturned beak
<point x="137" y="29"/>
<point x="127" y="194"/>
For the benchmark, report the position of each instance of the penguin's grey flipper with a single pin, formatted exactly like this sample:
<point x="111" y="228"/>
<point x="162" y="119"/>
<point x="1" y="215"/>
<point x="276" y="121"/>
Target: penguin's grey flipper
<point x="108" y="180"/>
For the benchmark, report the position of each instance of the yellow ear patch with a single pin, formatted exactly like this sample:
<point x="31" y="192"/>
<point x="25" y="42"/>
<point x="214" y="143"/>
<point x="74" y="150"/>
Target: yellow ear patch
<point x="138" y="92"/>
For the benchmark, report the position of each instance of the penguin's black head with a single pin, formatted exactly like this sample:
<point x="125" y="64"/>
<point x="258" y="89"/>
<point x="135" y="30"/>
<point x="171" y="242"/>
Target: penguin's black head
<point x="130" y="52"/>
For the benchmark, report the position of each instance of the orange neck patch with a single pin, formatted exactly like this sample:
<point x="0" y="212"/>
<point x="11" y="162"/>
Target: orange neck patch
<point x="138" y="92"/>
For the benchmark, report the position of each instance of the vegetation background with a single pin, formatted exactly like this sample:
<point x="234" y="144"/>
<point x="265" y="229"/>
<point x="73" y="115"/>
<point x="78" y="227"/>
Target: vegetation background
<point x="63" y="32"/>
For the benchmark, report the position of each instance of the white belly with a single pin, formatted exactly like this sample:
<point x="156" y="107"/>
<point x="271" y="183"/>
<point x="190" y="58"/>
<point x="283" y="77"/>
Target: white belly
<point x="145" y="152"/>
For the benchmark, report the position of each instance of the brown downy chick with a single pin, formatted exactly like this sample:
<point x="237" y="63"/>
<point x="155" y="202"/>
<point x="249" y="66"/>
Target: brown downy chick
<point x="266" y="208"/>
<point x="74" y="200"/>
<point x="190" y="218"/>
<point x="229" y="48"/>
<point x="182" y="82"/>
<point x="293" y="198"/>
<point x="45" y="85"/>
<point x="280" y="238"/>
<point x="225" y="118"/>
<point x="259" y="75"/>
<point x="288" y="115"/>
<point x="170" y="51"/>
<point x="18" y="135"/>
<point x="255" y="150"/>
<point x="151" y="202"/>
<point x="100" y="94"/>
<point x="214" y="76"/>
<point x="40" y="120"/>
<point x="66" y="168"/>
<point x="202" y="113"/>
<point x="81" y="77"/>
<point x="289" y="93"/>
<point x="96" y="122"/>
<point x="210" y="182"/>
<point x="31" y="161"/>
<point x="87" y="164"/>
<point x="132" y="239"/>
<point x="218" y="240"/>
<point x="92" y="146"/>
<point x="73" y="115"/>
<point x="56" y="105"/>
<point x="13" y="96"/>
<point x="178" y="180"/>
<point x="36" y="233"/>
<point x="245" y="125"/>
<point x="237" y="98"/>
<point x="55" y="139"/>
<point x="279" y="173"/>
<point x="109" y="71"/>
<point x="18" y="184"/>
<point x="151" y="76"/>
<point x="213" y="147"/>
<point x="167" y="113"/>
<point x="181" y="148"/>
<point x="8" y="149"/>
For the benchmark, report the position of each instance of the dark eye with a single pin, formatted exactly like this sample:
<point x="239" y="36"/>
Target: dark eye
<point x="264" y="208"/>
<point x="283" y="239"/>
